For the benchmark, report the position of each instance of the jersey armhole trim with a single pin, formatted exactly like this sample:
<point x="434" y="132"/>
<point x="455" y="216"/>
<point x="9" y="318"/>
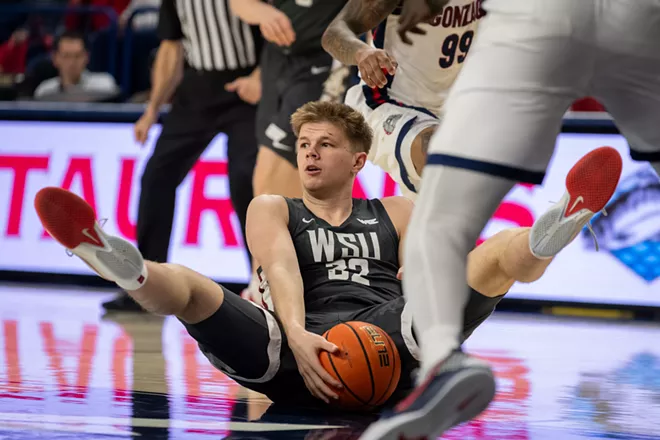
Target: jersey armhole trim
<point x="292" y="223"/>
<point x="388" y="223"/>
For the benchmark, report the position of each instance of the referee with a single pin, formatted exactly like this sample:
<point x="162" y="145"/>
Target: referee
<point x="208" y="58"/>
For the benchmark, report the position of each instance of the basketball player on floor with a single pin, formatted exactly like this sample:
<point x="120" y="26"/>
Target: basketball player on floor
<point x="530" y="61"/>
<point x="327" y="258"/>
<point x="294" y="70"/>
<point x="403" y="87"/>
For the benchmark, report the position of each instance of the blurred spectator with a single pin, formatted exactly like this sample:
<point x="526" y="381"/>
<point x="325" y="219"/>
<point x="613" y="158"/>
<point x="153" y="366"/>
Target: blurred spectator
<point x="13" y="52"/>
<point x="143" y="21"/>
<point x="91" y="22"/>
<point x="74" y="82"/>
<point x="28" y="42"/>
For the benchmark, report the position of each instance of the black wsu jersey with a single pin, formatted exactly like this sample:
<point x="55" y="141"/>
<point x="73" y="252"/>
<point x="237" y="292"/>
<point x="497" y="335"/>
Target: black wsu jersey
<point x="350" y="266"/>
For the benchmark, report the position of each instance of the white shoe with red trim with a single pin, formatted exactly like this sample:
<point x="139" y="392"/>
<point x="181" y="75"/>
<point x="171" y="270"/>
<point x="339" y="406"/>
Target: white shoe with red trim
<point x="589" y="186"/>
<point x="72" y="223"/>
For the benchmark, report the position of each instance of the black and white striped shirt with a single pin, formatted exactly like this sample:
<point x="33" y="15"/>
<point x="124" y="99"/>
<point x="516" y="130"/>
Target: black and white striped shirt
<point x="214" y="39"/>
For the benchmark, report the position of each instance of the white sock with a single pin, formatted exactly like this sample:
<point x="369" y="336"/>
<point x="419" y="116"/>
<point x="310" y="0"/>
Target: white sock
<point x="452" y="209"/>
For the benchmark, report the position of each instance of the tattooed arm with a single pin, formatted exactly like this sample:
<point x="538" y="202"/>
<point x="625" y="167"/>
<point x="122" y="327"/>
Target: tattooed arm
<point x="341" y="39"/>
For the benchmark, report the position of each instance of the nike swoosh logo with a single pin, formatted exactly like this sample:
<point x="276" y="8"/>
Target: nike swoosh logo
<point x="578" y="200"/>
<point x="319" y="70"/>
<point x="90" y="236"/>
<point x="307" y="221"/>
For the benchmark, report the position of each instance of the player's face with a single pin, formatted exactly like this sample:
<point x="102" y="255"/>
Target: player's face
<point x="325" y="157"/>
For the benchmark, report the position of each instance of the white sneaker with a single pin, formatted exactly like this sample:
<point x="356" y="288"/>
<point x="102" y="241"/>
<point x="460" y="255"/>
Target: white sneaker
<point x="72" y="223"/>
<point x="589" y="186"/>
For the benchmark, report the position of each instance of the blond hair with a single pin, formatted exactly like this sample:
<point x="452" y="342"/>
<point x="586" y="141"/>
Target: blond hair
<point x="349" y="120"/>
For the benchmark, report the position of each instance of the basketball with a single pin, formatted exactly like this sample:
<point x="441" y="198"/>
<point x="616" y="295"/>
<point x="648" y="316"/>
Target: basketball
<point x="368" y="365"/>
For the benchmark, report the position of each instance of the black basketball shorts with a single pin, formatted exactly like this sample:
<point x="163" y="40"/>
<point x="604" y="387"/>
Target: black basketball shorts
<point x="248" y="344"/>
<point x="287" y="82"/>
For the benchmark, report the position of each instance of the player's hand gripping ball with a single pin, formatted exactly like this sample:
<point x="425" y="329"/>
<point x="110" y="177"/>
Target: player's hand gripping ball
<point x="368" y="364"/>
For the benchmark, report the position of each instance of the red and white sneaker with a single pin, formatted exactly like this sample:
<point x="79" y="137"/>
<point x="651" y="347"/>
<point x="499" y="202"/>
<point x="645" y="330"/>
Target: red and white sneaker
<point x="71" y="221"/>
<point x="589" y="186"/>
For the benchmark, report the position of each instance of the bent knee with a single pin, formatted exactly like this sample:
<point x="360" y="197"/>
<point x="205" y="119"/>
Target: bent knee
<point x="199" y="297"/>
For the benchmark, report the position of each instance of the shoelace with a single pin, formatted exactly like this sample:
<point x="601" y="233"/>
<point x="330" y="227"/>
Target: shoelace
<point x="591" y="229"/>
<point x="102" y="223"/>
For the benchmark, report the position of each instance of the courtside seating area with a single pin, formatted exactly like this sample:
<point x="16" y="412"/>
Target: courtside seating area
<point x="121" y="41"/>
<point x="121" y="38"/>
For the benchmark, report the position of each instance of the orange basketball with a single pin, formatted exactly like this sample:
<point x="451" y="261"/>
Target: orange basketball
<point x="368" y="366"/>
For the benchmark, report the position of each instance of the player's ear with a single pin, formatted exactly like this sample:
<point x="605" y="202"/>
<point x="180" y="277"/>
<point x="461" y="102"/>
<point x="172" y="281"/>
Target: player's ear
<point x="359" y="159"/>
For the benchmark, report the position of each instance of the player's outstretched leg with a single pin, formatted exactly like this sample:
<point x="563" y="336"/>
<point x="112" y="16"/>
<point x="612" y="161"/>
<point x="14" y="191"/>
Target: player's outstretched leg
<point x="163" y="289"/>
<point x="523" y="254"/>
<point x="72" y="223"/>
<point x="589" y="186"/>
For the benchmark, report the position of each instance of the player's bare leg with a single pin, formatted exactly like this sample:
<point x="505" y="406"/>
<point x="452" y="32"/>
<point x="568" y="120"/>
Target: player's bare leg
<point x="172" y="289"/>
<point x="503" y="260"/>
<point x="160" y="288"/>
<point x="420" y="148"/>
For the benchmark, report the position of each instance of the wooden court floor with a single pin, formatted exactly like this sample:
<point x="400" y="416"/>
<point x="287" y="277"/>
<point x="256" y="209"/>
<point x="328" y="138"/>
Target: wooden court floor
<point x="68" y="372"/>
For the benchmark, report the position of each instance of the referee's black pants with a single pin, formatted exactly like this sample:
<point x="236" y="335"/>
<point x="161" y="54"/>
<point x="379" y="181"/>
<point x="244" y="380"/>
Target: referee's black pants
<point x="201" y="109"/>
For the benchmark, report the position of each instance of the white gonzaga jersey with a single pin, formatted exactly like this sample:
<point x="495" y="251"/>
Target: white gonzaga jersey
<point x="428" y="68"/>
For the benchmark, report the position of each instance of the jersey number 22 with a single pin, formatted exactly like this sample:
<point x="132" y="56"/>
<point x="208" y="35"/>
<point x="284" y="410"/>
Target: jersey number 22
<point x="356" y="269"/>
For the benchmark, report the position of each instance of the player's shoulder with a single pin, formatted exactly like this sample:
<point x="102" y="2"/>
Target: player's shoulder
<point x="268" y="205"/>
<point x="269" y="201"/>
<point x="398" y="209"/>
<point x="397" y="204"/>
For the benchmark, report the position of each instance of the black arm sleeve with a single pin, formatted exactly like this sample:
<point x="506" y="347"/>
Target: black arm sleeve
<point x="169" y="25"/>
